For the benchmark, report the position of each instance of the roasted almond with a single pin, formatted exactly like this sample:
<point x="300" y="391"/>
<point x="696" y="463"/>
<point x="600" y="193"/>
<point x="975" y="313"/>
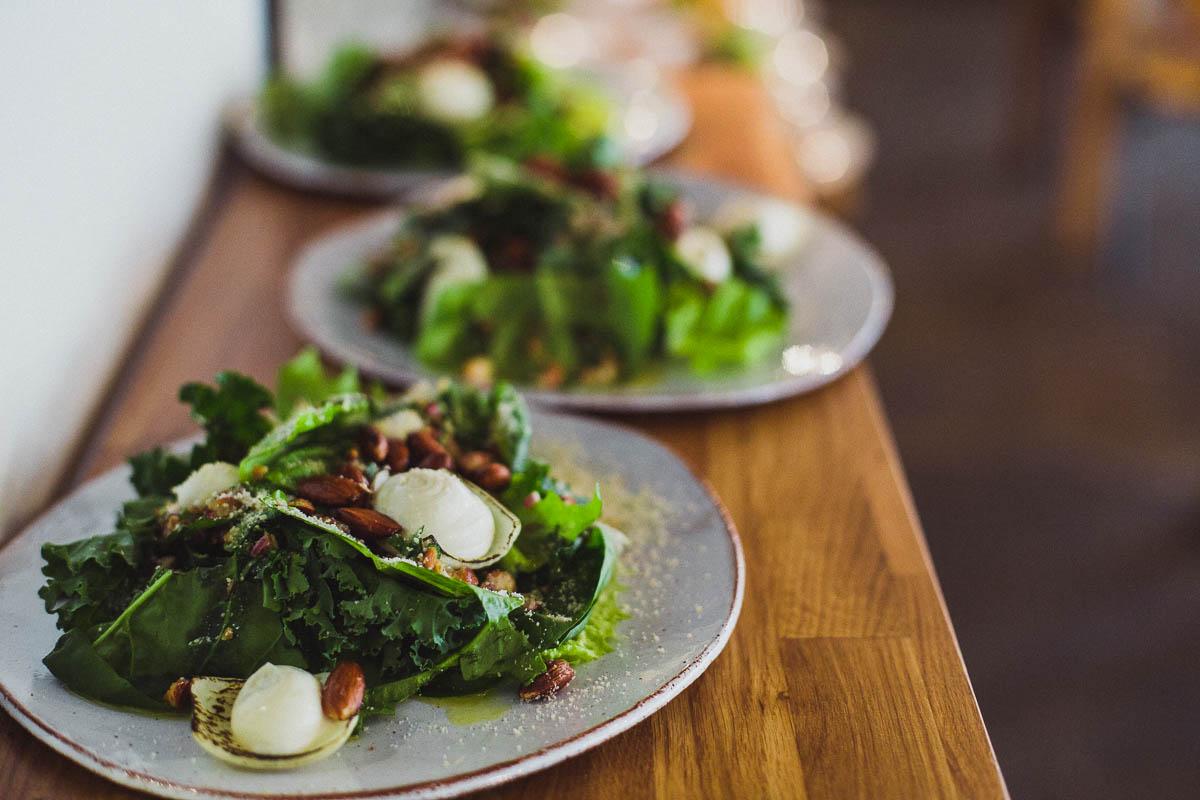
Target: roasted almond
<point x="499" y="580"/>
<point x="494" y="477"/>
<point x="557" y="675"/>
<point x="397" y="457"/>
<point x="179" y="694"/>
<point x="342" y="696"/>
<point x="373" y="444"/>
<point x="355" y="473"/>
<point x="440" y="460"/>
<point x="330" y="490"/>
<point x="466" y="575"/>
<point x="265" y="543"/>
<point x="474" y="461"/>
<point x="423" y="442"/>
<point x="367" y="523"/>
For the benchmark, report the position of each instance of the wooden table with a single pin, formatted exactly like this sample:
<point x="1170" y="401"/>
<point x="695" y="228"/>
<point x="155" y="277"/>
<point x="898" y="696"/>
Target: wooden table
<point x="843" y="678"/>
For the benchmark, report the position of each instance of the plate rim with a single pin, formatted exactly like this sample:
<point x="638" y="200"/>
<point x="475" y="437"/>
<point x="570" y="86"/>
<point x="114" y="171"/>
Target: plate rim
<point x="883" y="300"/>
<point x="457" y="785"/>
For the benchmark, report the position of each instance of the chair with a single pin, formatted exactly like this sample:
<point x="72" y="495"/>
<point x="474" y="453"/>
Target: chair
<point x="1145" y="51"/>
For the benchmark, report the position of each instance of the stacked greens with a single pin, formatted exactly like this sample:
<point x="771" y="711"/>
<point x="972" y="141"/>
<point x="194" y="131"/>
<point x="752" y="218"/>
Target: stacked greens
<point x="548" y="273"/>
<point x="255" y="574"/>
<point x="370" y="110"/>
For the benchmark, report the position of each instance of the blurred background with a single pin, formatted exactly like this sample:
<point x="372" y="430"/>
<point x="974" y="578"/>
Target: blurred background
<point x="1030" y="171"/>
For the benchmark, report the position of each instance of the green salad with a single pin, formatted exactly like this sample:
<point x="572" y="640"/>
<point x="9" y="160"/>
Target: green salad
<point x="410" y="544"/>
<point x="550" y="273"/>
<point x="432" y="107"/>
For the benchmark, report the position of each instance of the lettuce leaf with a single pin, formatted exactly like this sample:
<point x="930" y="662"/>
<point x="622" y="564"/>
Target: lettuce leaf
<point x="737" y="324"/>
<point x="548" y="523"/>
<point x="599" y="634"/>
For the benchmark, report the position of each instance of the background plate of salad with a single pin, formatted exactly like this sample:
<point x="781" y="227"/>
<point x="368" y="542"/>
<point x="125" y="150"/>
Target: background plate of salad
<point x="597" y="290"/>
<point x="377" y="125"/>
<point x="213" y="564"/>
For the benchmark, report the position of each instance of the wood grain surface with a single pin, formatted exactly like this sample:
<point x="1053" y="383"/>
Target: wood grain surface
<point x="843" y="678"/>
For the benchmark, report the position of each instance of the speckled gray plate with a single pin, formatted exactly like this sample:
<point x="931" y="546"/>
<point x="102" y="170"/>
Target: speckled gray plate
<point x="652" y="122"/>
<point x="681" y="619"/>
<point x="840" y="293"/>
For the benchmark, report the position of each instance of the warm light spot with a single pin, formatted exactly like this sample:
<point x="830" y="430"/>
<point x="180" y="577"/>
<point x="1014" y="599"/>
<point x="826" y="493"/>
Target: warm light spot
<point x="560" y="40"/>
<point x="803" y="106"/>
<point x="825" y="156"/>
<point x="641" y="120"/>
<point x="769" y="17"/>
<point x="800" y="58"/>
<point x="804" y="359"/>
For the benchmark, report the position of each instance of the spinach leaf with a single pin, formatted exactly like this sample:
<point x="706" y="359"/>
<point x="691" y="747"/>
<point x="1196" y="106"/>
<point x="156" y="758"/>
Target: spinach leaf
<point x="569" y="587"/>
<point x="737" y="324"/>
<point x="324" y="424"/>
<point x="633" y="307"/>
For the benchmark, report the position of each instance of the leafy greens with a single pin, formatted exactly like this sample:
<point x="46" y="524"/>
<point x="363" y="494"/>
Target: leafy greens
<point x="252" y="574"/>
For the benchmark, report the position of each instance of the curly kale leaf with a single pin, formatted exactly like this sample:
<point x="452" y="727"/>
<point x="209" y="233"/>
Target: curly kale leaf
<point x="231" y="414"/>
<point x="90" y="581"/>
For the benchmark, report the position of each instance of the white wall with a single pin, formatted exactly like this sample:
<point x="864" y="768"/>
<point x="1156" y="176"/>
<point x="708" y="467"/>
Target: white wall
<point x="311" y="29"/>
<point x="108" y="128"/>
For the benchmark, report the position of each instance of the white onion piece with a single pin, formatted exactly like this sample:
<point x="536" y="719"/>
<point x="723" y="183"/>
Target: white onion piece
<point x="206" y="481"/>
<point x="703" y="252"/>
<point x="278" y="711"/>
<point x="783" y="228"/>
<point x="454" y="91"/>
<point x="400" y="424"/>
<point x="469" y="525"/>
<point x="280" y="725"/>
<point x="458" y="260"/>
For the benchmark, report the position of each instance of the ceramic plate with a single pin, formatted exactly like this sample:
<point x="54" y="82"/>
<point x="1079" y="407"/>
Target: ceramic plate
<point x="682" y="614"/>
<point x="839" y="289"/>
<point x="652" y="122"/>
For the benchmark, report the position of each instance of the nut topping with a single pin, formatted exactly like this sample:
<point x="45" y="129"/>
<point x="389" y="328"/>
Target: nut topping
<point x="499" y="580"/>
<point x="373" y="445"/>
<point x="265" y="542"/>
<point x="330" y="490"/>
<point x="423" y="442"/>
<point x="430" y="560"/>
<point x="342" y="696"/>
<point x="179" y="693"/>
<point x="367" y="523"/>
<point x="440" y="460"/>
<point x="557" y="675"/>
<point x="466" y="575"/>
<point x="494" y="477"/>
<point x="397" y="457"/>
<point x="354" y="472"/>
<point x="474" y="461"/>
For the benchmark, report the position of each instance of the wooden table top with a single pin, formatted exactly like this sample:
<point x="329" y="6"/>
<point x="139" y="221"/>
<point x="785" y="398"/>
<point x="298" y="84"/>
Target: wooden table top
<point x="843" y="678"/>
